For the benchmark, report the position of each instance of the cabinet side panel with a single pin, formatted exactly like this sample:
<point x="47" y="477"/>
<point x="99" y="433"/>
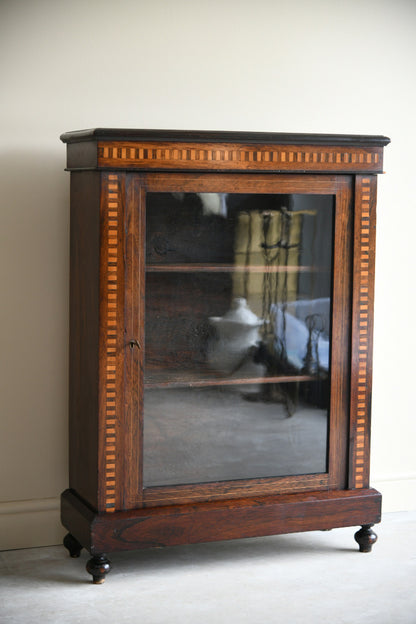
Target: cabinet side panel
<point x="84" y="334"/>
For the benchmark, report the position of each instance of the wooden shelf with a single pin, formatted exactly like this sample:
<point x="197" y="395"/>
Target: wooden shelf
<point x="227" y="268"/>
<point x="189" y="379"/>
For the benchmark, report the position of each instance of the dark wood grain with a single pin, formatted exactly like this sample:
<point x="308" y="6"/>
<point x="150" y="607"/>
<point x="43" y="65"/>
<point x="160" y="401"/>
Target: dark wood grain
<point x="193" y="182"/>
<point x="223" y="490"/>
<point x="134" y="329"/>
<point x="225" y="520"/>
<point x="341" y="334"/>
<point x="196" y="136"/>
<point x="84" y="335"/>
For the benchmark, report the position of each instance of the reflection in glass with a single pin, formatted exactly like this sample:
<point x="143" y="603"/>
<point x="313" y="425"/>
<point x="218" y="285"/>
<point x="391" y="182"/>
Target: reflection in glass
<point x="237" y="357"/>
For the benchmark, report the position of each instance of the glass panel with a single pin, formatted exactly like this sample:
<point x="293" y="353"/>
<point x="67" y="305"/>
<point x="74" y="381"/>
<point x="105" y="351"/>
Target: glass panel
<point x="237" y="349"/>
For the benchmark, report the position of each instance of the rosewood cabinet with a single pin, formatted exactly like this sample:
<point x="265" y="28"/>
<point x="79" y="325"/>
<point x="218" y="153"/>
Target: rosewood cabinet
<point x="220" y="337"/>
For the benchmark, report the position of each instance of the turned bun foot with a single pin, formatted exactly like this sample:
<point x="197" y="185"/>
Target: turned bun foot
<point x="72" y="545"/>
<point x="365" y="538"/>
<point x="98" y="566"/>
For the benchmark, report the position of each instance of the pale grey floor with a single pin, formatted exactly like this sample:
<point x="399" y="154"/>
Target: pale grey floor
<point x="306" y="578"/>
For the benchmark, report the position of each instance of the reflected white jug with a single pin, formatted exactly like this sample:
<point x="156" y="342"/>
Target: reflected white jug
<point x="237" y="332"/>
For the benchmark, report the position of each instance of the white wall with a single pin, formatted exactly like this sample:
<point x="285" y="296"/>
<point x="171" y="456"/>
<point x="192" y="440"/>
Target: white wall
<point x="273" y="65"/>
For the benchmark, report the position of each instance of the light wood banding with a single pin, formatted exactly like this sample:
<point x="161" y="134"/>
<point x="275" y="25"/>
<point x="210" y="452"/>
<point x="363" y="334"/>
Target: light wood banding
<point x="112" y="218"/>
<point x="362" y="330"/>
<point x="229" y="157"/>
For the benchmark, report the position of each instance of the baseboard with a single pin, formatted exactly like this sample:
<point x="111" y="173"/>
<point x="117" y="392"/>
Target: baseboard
<point x="399" y="492"/>
<point x="30" y="523"/>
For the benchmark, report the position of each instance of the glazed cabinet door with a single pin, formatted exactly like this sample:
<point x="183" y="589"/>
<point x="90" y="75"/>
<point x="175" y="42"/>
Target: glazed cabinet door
<point x="237" y="335"/>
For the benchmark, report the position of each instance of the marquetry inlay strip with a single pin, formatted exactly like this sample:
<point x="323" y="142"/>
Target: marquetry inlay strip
<point x="112" y="294"/>
<point x="362" y="338"/>
<point x="236" y="157"/>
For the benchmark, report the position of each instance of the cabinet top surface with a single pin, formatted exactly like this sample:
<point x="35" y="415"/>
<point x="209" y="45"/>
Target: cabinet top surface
<point x="188" y="136"/>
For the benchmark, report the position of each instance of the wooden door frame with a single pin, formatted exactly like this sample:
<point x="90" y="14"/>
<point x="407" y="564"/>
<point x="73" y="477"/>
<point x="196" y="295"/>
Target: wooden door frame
<point x="130" y="441"/>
